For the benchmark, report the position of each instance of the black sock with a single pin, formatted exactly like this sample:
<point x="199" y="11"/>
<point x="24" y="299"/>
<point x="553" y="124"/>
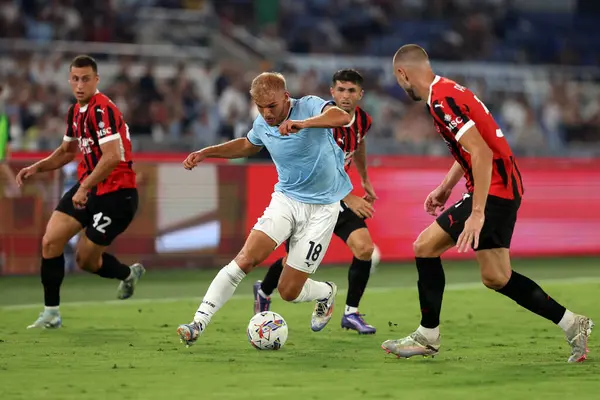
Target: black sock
<point x="53" y="273"/>
<point x="531" y="296"/>
<point x="358" y="277"/>
<point x="111" y="268"/>
<point x="431" y="290"/>
<point x="269" y="284"/>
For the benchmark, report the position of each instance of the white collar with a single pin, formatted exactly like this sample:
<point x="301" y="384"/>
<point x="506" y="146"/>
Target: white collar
<point x="292" y="103"/>
<point x="84" y="108"/>
<point x="351" y="121"/>
<point x="435" y="80"/>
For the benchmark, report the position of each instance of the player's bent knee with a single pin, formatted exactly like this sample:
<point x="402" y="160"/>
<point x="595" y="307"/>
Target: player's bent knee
<point x="432" y="242"/>
<point x="423" y="248"/>
<point x="246" y="261"/>
<point x="289" y="292"/>
<point x="363" y="251"/>
<point x="291" y="283"/>
<point x="52" y="246"/>
<point x="86" y="263"/>
<point x="289" y="289"/>
<point x="494" y="280"/>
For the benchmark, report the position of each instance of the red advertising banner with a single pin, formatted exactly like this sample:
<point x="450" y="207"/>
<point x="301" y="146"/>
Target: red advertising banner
<point x="200" y="219"/>
<point x="559" y="214"/>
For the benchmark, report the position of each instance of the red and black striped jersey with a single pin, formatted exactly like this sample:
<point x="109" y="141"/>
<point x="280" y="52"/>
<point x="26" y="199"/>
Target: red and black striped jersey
<point x="98" y="122"/>
<point x="349" y="137"/>
<point x="455" y="109"/>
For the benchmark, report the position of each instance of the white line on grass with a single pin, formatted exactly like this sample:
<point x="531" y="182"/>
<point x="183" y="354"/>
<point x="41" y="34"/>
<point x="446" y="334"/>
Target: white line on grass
<point x="451" y="287"/>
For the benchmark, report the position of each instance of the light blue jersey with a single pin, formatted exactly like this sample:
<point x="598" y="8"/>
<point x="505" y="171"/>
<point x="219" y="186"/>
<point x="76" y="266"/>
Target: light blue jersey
<point x="310" y="165"/>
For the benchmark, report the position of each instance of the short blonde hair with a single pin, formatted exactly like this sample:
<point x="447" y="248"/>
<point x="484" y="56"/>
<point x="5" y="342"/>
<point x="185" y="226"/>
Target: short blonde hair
<point x="410" y="53"/>
<point x="267" y="82"/>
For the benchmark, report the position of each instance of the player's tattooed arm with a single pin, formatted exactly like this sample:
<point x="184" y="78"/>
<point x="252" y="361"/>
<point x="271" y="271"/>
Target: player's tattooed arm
<point x="331" y="117"/>
<point x="237" y="148"/>
<point x="111" y="156"/>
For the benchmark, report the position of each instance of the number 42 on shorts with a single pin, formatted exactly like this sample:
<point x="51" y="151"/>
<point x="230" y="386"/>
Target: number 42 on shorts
<point x="101" y="221"/>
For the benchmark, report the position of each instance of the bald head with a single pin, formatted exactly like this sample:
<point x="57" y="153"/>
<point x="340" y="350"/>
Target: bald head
<point x="413" y="71"/>
<point x="267" y="83"/>
<point x="411" y="54"/>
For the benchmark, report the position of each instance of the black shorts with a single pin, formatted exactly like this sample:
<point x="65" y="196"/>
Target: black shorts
<point x="106" y="216"/>
<point x="500" y="220"/>
<point x="347" y="223"/>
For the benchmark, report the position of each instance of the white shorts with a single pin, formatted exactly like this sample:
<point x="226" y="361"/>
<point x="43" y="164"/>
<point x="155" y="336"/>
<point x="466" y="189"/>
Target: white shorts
<point x="308" y="227"/>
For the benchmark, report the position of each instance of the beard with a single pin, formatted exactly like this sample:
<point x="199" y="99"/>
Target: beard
<point x="411" y="93"/>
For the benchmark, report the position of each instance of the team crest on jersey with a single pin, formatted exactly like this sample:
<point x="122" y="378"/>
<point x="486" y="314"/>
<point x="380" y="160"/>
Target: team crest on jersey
<point x="447" y="117"/>
<point x="85" y="145"/>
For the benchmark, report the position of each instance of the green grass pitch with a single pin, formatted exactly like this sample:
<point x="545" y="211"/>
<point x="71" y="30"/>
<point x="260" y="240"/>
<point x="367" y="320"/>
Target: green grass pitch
<point x="110" y="349"/>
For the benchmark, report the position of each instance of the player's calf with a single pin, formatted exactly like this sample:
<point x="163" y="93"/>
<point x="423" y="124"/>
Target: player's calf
<point x="497" y="274"/>
<point x="258" y="246"/>
<point x="59" y="230"/>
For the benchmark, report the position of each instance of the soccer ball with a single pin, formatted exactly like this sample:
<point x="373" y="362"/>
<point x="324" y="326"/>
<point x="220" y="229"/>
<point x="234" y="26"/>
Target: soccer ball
<point x="267" y="331"/>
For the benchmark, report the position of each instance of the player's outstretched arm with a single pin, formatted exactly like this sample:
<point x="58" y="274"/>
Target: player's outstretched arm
<point x="237" y="148"/>
<point x="63" y="155"/>
<point x="331" y="117"/>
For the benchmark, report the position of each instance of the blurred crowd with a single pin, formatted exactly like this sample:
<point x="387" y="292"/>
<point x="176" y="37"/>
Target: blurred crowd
<point x="534" y="31"/>
<point x="183" y="105"/>
<point x="195" y="105"/>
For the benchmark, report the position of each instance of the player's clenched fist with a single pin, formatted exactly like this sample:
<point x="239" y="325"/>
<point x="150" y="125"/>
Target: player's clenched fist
<point x="289" y="126"/>
<point x="193" y="159"/>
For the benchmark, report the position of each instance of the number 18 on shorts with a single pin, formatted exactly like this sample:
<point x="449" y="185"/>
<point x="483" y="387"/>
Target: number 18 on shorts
<point x="307" y="227"/>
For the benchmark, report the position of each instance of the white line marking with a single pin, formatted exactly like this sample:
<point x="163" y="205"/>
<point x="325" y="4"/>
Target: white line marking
<point x="449" y="287"/>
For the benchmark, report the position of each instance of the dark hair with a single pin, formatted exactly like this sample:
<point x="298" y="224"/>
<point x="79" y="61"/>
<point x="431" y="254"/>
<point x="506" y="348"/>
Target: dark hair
<point x="347" y="75"/>
<point x="84" y="61"/>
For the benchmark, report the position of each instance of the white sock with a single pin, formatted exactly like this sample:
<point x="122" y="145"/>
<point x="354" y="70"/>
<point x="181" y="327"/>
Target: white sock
<point x="430" y="334"/>
<point x="350" y="310"/>
<point x="53" y="308"/>
<point x="313" y="290"/>
<point x="567" y="321"/>
<point x="220" y="290"/>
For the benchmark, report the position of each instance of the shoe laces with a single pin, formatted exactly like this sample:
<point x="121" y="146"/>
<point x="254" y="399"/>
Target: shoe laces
<point x="321" y="308"/>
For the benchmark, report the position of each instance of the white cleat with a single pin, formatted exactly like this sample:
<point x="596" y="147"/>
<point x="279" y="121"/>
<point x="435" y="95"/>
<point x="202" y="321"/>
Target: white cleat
<point x="127" y="287"/>
<point x="189" y="333"/>
<point x="323" y="310"/>
<point x="47" y="320"/>
<point x="577" y="337"/>
<point x="413" y="345"/>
